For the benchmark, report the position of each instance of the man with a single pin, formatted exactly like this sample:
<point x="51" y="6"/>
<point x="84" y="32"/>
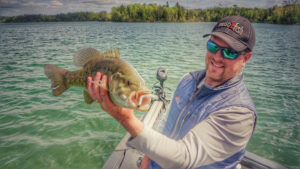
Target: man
<point x="212" y="115"/>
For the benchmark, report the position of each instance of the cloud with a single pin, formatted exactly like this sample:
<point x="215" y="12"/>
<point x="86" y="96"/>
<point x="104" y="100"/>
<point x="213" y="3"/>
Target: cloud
<point x="57" y="3"/>
<point x="10" y="4"/>
<point x="20" y="7"/>
<point x="99" y="2"/>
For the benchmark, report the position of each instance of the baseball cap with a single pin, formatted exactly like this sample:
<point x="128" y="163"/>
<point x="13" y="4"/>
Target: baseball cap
<point x="236" y="31"/>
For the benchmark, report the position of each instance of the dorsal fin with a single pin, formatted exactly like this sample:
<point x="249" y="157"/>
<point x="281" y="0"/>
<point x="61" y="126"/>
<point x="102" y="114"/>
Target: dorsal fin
<point x="112" y="53"/>
<point x="82" y="56"/>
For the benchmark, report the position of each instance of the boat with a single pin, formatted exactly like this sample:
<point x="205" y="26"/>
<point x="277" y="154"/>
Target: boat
<point x="124" y="157"/>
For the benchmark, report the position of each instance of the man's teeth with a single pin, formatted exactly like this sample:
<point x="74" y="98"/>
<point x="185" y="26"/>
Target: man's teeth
<point x="217" y="65"/>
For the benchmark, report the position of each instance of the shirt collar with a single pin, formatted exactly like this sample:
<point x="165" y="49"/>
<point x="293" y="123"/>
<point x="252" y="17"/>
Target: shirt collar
<point x="231" y="82"/>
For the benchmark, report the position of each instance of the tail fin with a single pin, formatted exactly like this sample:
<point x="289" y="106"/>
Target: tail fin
<point x="56" y="75"/>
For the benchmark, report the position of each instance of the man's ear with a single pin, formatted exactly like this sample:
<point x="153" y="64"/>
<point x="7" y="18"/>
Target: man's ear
<point x="247" y="56"/>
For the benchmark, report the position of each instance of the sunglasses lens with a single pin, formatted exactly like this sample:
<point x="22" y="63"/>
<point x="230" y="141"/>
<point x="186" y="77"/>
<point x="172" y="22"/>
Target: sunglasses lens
<point x="212" y="47"/>
<point x="229" y="53"/>
<point x="226" y="52"/>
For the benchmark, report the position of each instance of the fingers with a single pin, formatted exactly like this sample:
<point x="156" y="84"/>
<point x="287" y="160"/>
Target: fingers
<point x="145" y="162"/>
<point x="103" y="85"/>
<point x="96" y="88"/>
<point x="91" y="87"/>
<point x="104" y="94"/>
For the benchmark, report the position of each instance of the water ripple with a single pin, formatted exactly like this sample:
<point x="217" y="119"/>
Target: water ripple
<point x="38" y="130"/>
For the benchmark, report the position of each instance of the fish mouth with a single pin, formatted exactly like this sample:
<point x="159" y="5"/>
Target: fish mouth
<point x="140" y="101"/>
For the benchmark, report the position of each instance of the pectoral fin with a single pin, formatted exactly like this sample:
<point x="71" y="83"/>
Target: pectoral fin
<point x="87" y="97"/>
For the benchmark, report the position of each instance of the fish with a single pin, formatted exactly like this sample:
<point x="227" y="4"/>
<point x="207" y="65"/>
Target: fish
<point x="126" y="88"/>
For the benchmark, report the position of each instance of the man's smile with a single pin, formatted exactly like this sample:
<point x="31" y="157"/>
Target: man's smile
<point x="216" y="65"/>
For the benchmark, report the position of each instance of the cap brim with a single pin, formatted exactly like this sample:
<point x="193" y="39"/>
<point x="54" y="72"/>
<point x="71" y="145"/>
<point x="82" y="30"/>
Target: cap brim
<point x="233" y="43"/>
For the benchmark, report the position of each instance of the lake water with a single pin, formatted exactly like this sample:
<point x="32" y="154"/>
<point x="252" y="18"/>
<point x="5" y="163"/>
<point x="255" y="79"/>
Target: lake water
<point x="38" y="130"/>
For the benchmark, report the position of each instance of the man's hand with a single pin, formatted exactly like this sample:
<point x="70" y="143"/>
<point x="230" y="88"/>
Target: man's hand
<point x="145" y="162"/>
<point x="123" y="115"/>
<point x="101" y="95"/>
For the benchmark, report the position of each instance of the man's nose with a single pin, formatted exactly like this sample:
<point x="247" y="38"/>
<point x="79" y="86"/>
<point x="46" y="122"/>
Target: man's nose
<point x="218" y="55"/>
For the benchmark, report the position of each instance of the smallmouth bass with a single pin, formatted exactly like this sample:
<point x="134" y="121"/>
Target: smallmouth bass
<point x="126" y="87"/>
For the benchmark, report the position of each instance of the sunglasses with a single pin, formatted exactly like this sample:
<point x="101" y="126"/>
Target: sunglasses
<point x="226" y="52"/>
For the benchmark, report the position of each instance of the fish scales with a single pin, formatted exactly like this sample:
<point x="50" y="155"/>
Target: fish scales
<point x="104" y="65"/>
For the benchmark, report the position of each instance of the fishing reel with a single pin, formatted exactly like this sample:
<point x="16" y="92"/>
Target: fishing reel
<point x="161" y="76"/>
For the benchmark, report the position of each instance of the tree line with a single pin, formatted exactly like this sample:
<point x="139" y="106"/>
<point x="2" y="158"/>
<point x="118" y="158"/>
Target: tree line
<point x="75" y="16"/>
<point x="288" y="13"/>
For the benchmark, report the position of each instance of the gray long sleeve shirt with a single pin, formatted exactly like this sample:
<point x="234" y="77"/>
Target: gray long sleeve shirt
<point x="220" y="135"/>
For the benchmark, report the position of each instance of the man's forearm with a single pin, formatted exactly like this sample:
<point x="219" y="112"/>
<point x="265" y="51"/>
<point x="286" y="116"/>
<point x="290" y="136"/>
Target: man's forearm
<point x="132" y="124"/>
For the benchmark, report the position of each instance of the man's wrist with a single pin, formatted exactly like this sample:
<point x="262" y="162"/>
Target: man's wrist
<point x="128" y="120"/>
<point x="133" y="125"/>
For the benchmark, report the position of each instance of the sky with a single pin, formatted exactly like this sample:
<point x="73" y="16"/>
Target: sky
<point x="51" y="7"/>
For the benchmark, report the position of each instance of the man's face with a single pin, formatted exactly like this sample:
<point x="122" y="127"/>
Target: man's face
<point x="219" y="69"/>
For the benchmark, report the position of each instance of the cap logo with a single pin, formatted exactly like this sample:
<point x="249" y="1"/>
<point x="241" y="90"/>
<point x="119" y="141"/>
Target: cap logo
<point x="233" y="25"/>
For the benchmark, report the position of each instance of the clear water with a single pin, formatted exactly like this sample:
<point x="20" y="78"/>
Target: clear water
<point x="38" y="130"/>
